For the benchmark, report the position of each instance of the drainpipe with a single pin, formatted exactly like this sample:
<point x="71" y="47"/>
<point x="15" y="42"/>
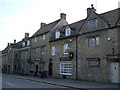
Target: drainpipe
<point x="76" y="58"/>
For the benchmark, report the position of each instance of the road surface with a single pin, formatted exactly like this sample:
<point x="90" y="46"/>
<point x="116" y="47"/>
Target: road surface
<point x="9" y="81"/>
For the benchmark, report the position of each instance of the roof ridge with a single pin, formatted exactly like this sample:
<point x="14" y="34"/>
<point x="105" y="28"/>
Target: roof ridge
<point x="52" y="22"/>
<point x="109" y="11"/>
<point x="35" y="34"/>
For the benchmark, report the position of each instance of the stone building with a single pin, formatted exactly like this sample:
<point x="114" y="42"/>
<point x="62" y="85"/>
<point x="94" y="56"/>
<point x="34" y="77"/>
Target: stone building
<point x="15" y="57"/>
<point x="98" y="47"/>
<point x="63" y="45"/>
<point x="88" y="49"/>
<point x="9" y="58"/>
<point x="40" y="49"/>
<point x="24" y="56"/>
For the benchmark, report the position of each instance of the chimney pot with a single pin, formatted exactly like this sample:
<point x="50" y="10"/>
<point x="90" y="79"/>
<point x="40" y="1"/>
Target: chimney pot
<point x="42" y="24"/>
<point x="14" y="41"/>
<point x="26" y="35"/>
<point x="63" y="16"/>
<point x="89" y="10"/>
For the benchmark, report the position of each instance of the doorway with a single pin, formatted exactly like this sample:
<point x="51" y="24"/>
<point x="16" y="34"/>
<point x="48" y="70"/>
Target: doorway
<point x="50" y="68"/>
<point x="114" y="68"/>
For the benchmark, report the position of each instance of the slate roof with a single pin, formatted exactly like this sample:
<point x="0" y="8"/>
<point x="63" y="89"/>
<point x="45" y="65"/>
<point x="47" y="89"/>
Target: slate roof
<point x="46" y="28"/>
<point x="111" y="17"/>
<point x="12" y="45"/>
<point x="75" y="27"/>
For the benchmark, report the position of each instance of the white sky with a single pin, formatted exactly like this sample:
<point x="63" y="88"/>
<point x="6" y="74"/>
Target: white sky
<point x="20" y="16"/>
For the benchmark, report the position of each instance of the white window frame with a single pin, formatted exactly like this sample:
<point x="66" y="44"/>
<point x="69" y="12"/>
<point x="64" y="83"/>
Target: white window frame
<point x="67" y="31"/>
<point x="53" y="49"/>
<point x="23" y="44"/>
<point x="65" y="48"/>
<point x="57" y="34"/>
<point x="93" y="41"/>
<point x="65" y="68"/>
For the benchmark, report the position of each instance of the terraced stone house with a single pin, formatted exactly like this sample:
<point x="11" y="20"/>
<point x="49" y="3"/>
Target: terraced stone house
<point x="40" y="48"/>
<point x="88" y="49"/>
<point x="98" y="47"/>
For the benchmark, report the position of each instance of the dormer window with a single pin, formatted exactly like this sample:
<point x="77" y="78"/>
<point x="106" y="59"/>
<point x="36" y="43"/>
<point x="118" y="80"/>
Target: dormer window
<point x="57" y="34"/>
<point x="67" y="31"/>
<point x="23" y="44"/>
<point x="92" y="23"/>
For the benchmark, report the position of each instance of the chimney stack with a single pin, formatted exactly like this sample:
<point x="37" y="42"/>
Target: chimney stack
<point x="14" y="41"/>
<point x="26" y="35"/>
<point x="63" y="16"/>
<point x="90" y="10"/>
<point x="42" y="24"/>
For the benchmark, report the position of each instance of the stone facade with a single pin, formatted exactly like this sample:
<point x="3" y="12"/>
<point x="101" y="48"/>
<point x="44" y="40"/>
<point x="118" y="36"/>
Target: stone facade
<point x="40" y="48"/>
<point x="95" y="44"/>
<point x="88" y="49"/>
<point x="98" y="52"/>
<point x="60" y="57"/>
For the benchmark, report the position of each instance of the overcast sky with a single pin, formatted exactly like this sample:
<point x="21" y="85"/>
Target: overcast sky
<point x="20" y="16"/>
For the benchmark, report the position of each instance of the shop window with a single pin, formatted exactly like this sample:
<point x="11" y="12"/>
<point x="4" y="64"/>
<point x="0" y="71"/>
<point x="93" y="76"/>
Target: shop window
<point x="65" y="69"/>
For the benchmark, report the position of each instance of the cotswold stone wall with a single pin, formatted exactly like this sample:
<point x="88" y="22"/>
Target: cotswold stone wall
<point x="59" y="53"/>
<point x="87" y="55"/>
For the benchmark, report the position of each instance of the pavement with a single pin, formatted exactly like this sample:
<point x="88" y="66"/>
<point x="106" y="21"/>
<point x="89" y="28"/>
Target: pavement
<point x="75" y="84"/>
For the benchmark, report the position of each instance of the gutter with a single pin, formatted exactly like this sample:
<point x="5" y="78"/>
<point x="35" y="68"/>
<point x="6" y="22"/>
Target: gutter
<point x="76" y="57"/>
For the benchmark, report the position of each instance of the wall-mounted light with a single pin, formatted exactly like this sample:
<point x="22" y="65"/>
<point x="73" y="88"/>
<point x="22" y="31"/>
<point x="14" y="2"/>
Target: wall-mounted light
<point x="70" y="40"/>
<point x="109" y="39"/>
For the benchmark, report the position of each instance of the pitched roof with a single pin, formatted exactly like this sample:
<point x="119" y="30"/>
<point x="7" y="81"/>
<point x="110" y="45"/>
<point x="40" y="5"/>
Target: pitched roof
<point x="12" y="45"/>
<point x="75" y="27"/>
<point x="111" y="17"/>
<point x="46" y="28"/>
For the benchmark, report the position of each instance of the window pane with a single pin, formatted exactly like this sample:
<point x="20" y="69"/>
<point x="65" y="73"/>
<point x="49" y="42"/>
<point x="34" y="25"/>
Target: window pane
<point x="68" y="31"/>
<point x="43" y="36"/>
<point x="92" y="23"/>
<point x="97" y="40"/>
<point x="65" y="48"/>
<point x="53" y="50"/>
<point x="93" y="41"/>
<point x="65" y="68"/>
<point x="57" y="34"/>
